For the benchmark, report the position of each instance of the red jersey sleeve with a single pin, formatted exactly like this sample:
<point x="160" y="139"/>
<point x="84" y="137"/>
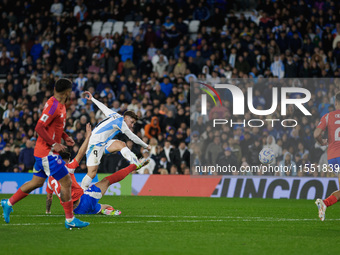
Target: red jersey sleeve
<point x="49" y="113"/>
<point x="323" y="122"/>
<point x="49" y="189"/>
<point x="71" y="167"/>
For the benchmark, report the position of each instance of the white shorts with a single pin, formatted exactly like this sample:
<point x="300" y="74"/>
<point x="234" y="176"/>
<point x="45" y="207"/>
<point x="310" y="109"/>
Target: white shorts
<point x="94" y="153"/>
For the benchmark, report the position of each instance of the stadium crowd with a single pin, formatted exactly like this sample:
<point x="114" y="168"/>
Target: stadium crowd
<point x="149" y="71"/>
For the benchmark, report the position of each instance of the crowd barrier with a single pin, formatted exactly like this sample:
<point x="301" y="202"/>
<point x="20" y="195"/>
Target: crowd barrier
<point x="198" y="186"/>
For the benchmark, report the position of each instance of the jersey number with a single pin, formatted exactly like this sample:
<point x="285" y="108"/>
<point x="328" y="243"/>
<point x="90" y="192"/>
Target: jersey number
<point x="55" y="187"/>
<point x="95" y="152"/>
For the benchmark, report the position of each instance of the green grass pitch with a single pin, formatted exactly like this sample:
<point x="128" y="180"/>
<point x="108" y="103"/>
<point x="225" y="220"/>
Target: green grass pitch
<point x="174" y="225"/>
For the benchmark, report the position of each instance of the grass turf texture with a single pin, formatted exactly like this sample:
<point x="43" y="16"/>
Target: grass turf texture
<point x="173" y="225"/>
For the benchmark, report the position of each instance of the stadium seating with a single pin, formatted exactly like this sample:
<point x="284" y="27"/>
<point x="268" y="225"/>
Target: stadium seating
<point x="130" y="25"/>
<point x="118" y="27"/>
<point x="194" y="26"/>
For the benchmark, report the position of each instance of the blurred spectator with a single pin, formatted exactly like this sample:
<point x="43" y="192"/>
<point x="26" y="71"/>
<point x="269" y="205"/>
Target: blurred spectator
<point x="166" y="86"/>
<point x="8" y="113"/>
<point x="8" y="159"/>
<point x="149" y="168"/>
<point x="174" y="170"/>
<point x="277" y="67"/>
<point x="227" y="159"/>
<point x="80" y="81"/>
<point x="126" y="50"/>
<point x="56" y="8"/>
<point x="162" y="164"/>
<point x="152" y="129"/>
<point x="160" y="66"/>
<point x="168" y="24"/>
<point x="201" y="12"/>
<point x="26" y="157"/>
<point x="33" y="86"/>
<point x="287" y="166"/>
<point x="181" y="154"/>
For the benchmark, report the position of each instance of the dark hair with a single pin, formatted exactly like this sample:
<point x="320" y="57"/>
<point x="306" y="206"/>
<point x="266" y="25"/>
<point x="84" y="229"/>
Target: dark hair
<point x="65" y="155"/>
<point x="63" y="84"/>
<point x="337" y="97"/>
<point x="132" y="114"/>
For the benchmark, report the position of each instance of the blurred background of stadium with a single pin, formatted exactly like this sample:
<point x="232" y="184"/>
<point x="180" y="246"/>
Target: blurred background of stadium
<point x="142" y="55"/>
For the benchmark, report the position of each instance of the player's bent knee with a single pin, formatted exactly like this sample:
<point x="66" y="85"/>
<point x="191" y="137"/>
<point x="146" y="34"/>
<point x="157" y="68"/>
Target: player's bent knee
<point x="116" y="146"/>
<point x="122" y="145"/>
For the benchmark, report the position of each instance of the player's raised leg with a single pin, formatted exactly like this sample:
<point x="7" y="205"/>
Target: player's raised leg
<point x="115" y="177"/>
<point x="104" y="184"/>
<point x="21" y="193"/>
<point x="118" y="176"/>
<point x="124" y="150"/>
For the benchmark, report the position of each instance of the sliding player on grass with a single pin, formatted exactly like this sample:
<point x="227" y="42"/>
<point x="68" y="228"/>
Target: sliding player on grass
<point x="86" y="202"/>
<point x="330" y="121"/>
<point x="50" y="129"/>
<point x="101" y="139"/>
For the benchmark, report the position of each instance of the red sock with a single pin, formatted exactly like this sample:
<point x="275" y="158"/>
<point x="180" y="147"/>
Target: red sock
<point x="331" y="200"/>
<point x="68" y="208"/>
<point x="121" y="174"/>
<point x="17" y="196"/>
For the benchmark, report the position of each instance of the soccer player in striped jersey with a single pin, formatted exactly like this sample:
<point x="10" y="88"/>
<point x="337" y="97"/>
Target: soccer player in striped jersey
<point x="50" y="129"/>
<point x="101" y="139"/>
<point x="331" y="122"/>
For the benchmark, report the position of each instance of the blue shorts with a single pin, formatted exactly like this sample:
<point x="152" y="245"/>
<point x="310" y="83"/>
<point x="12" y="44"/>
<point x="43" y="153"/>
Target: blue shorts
<point x="50" y="165"/>
<point x="89" y="201"/>
<point x="334" y="163"/>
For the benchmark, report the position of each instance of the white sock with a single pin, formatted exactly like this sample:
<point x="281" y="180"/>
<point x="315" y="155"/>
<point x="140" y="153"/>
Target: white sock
<point x="129" y="155"/>
<point x="85" y="183"/>
<point x="9" y="203"/>
<point x="69" y="220"/>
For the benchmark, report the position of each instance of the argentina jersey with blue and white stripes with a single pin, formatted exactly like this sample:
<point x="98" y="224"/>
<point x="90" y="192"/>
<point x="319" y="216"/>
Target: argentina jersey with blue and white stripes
<point x="107" y="129"/>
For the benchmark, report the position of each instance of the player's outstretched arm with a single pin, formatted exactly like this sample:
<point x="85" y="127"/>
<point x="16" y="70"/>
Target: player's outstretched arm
<point x="99" y="104"/>
<point x="83" y="147"/>
<point x="125" y="129"/>
<point x="318" y="137"/>
<point x="49" y="199"/>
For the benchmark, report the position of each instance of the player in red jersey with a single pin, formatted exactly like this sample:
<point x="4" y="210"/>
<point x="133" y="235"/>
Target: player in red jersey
<point x="331" y="122"/>
<point x="50" y="129"/>
<point x="86" y="202"/>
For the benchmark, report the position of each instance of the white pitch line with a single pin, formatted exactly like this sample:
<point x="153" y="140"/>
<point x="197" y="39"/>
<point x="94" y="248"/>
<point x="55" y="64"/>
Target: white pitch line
<point x="117" y="222"/>
<point x="231" y="219"/>
<point x="141" y="216"/>
<point x="180" y="216"/>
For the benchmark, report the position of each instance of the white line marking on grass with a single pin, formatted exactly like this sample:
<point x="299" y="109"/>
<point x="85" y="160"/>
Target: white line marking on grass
<point x="30" y="224"/>
<point x="140" y="216"/>
<point x="230" y="219"/>
<point x="236" y="218"/>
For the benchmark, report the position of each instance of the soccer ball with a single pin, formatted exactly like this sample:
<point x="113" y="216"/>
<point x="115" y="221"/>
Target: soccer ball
<point x="266" y="156"/>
